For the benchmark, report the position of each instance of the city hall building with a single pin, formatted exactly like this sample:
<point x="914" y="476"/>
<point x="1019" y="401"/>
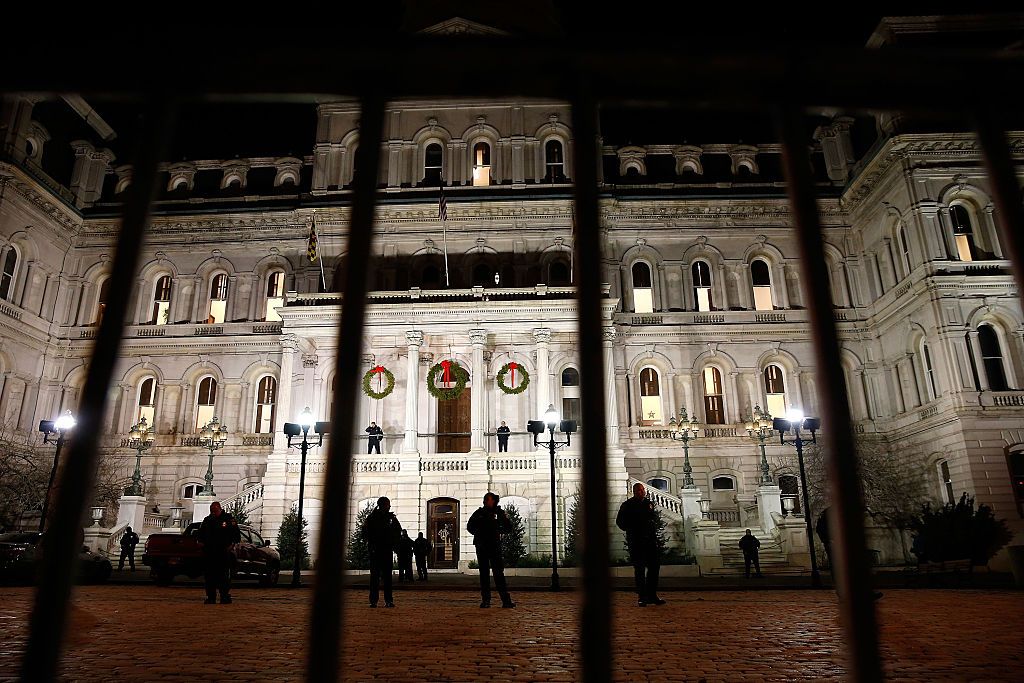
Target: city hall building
<point x="703" y="309"/>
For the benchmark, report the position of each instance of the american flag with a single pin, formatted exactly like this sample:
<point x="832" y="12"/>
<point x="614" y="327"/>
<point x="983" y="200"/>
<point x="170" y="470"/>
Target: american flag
<point x="442" y="206"/>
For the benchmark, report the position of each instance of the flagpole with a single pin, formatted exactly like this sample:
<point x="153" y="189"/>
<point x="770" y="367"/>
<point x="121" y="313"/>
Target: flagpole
<point x="319" y="256"/>
<point x="443" y="212"/>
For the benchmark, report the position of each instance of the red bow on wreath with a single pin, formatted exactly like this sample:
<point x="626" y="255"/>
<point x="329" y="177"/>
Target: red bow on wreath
<point x="379" y="371"/>
<point x="512" y="368"/>
<point x="446" y="371"/>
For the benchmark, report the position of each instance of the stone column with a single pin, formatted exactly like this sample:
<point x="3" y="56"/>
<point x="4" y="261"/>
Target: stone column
<point x="414" y="339"/>
<point x="723" y="279"/>
<point x="978" y="362"/>
<point x="476" y="398"/>
<point x="289" y="346"/>
<point x="309" y="363"/>
<point x="611" y="407"/>
<point x="673" y="407"/>
<point x="543" y="337"/>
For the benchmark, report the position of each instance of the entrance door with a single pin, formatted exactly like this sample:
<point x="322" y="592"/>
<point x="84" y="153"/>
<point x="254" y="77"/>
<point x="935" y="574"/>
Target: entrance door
<point x="454" y="421"/>
<point x="443" y="523"/>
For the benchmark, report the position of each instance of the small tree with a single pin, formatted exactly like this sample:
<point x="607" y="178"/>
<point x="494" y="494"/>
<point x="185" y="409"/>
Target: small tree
<point x="956" y="531"/>
<point x="286" y="538"/>
<point x="513" y="549"/>
<point x="572" y="531"/>
<point x="357" y="555"/>
<point x="238" y="511"/>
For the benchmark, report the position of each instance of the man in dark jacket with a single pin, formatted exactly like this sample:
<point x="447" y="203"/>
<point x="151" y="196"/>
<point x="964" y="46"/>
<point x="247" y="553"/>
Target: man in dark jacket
<point x="218" y="532"/>
<point x="637" y="518"/>
<point x="503" y="432"/>
<point x="487" y="525"/>
<point x="382" y="532"/>
<point x="749" y="545"/>
<point x="129" y="540"/>
<point x="376" y="436"/>
<point x="405" y="548"/>
<point x="421" y="548"/>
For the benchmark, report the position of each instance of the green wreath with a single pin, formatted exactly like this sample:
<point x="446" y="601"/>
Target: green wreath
<point x="368" y="379"/>
<point x="457" y="373"/>
<point x="511" y="366"/>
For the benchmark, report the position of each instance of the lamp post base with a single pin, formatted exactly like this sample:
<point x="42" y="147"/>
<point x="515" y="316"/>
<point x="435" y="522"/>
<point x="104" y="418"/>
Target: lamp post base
<point x="555" y="584"/>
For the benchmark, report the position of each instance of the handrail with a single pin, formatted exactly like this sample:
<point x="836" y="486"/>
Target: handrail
<point x="662" y="499"/>
<point x="114" y="540"/>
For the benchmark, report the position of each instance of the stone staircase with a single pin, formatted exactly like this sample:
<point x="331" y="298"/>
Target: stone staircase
<point x="773" y="560"/>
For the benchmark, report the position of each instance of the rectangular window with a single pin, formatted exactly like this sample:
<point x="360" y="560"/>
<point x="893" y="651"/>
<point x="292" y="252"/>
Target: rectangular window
<point x="218" y="308"/>
<point x="643" y="301"/>
<point x="776" y="404"/>
<point x="947" y="483"/>
<point x="203" y="416"/>
<point x="963" y="247"/>
<point x="763" y="298"/>
<point x="571" y="409"/>
<point x="275" y="296"/>
<point x="703" y="298"/>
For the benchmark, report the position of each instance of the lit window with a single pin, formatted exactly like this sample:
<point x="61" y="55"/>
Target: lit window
<point x="963" y="233"/>
<point x="554" y="163"/>
<point x="946" y="482"/>
<point x="905" y="248"/>
<point x="992" y="358"/>
<point x="147" y="401"/>
<point x="7" y="275"/>
<point x="775" y="390"/>
<point x="101" y="300"/>
<point x="266" y="405"/>
<point x="162" y="301"/>
<point x="929" y="372"/>
<point x="205" y="401"/>
<point x="433" y="158"/>
<point x="650" y="397"/>
<point x="275" y="295"/>
<point x="643" y="297"/>
<point x="701" y="285"/>
<point x="218" y="299"/>
<point x="714" y="406"/>
<point x="571" y="408"/>
<point x="481" y="164"/>
<point x="761" y="278"/>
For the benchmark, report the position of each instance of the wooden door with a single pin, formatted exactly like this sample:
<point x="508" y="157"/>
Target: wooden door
<point x="454" y="420"/>
<point x="443" y="526"/>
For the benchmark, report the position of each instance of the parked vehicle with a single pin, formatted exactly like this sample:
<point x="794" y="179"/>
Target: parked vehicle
<point x="171" y="555"/>
<point x="21" y="553"/>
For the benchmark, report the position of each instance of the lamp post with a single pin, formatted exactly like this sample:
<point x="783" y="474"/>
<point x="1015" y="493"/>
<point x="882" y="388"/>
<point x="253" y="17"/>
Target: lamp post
<point x="294" y="429"/>
<point x="61" y="426"/>
<point x="759" y="427"/>
<point x="213" y="436"/>
<point x="686" y="431"/>
<point x="794" y="422"/>
<point x="141" y="439"/>
<point x="538" y="427"/>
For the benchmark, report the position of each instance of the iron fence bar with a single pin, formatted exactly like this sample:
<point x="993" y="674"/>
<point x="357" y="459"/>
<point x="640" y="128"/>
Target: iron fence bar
<point x="61" y="543"/>
<point x="325" y="659"/>
<point x="595" y="611"/>
<point x="847" y="510"/>
<point x="1006" y="193"/>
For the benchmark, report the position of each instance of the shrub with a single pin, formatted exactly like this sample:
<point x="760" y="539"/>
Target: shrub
<point x="237" y="510"/>
<point x="357" y="555"/>
<point x="956" y="531"/>
<point x="513" y="550"/>
<point x="572" y="530"/>
<point x="286" y="538"/>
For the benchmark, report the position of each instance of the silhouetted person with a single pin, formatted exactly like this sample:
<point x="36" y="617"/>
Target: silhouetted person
<point x="218" y="532"/>
<point x="129" y="540"/>
<point x="637" y="518"/>
<point x="487" y="525"/>
<point x="503" y="432"/>
<point x="376" y="436"/>
<point x="382" y="532"/>
<point x="421" y="548"/>
<point x="749" y="545"/>
<point x="825" y="534"/>
<point x="405" y="549"/>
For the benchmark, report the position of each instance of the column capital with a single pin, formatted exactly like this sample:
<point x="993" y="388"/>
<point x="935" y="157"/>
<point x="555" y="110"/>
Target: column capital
<point x="289" y="343"/>
<point x="414" y="337"/>
<point x="309" y="360"/>
<point x="542" y="335"/>
<point x="608" y="334"/>
<point x="479" y="337"/>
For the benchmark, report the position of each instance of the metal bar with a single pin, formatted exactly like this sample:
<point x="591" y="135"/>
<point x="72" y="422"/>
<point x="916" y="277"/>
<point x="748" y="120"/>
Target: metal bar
<point x="1006" y="193"/>
<point x="847" y="516"/>
<point x="325" y="649"/>
<point x="595" y="612"/>
<point x="62" y="540"/>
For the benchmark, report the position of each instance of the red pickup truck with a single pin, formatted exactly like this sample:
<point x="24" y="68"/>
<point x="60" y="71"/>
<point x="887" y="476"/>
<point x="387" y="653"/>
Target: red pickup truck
<point x="169" y="555"/>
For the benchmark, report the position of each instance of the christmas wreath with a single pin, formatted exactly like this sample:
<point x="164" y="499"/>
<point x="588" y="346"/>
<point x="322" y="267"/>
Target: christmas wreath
<point x="511" y="389"/>
<point x="384" y="377"/>
<point x="450" y="371"/>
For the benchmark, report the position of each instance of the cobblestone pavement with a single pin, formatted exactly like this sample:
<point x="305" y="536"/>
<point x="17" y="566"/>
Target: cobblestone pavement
<point x="146" y="633"/>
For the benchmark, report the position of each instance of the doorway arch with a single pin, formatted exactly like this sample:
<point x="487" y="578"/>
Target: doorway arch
<point x="443" y="527"/>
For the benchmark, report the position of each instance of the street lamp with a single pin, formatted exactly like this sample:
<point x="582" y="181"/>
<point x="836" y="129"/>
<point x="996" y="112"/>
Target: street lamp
<point x="294" y="429"/>
<point x="794" y="422"/>
<point x="213" y="436"/>
<point x="62" y="425"/>
<point x="686" y="431"/>
<point x="141" y="439"/>
<point x="538" y="427"/>
<point x="759" y="428"/>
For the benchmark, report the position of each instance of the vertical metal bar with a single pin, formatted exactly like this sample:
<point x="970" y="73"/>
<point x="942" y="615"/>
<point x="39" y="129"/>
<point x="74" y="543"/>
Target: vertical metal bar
<point x="325" y="621"/>
<point x="1006" y="193"/>
<point x="595" y="614"/>
<point x="847" y="516"/>
<point x="49" y="614"/>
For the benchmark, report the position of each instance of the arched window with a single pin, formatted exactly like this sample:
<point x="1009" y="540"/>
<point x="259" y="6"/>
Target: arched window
<point x="643" y="294"/>
<point x="571" y="409"/>
<point x="761" y="277"/>
<point x="275" y="295"/>
<point x="7" y="275"/>
<point x="162" y="301"/>
<point x="775" y="391"/>
<point x="701" y="273"/>
<point x="723" y="484"/>
<point x="433" y="160"/>
<point x="929" y="372"/>
<point x="483" y="275"/>
<point x="481" y="164"/>
<point x="558" y="274"/>
<point x="218" y="299"/>
<point x="992" y="358"/>
<point x="570" y="377"/>
<point x="554" y="162"/>
<point x="714" y="406"/>
<point x="266" y="405"/>
<point x="147" y="401"/>
<point x="946" y="482"/>
<point x="660" y="483"/>
<point x="904" y="248"/>
<point x="963" y="233"/>
<point x="206" y="399"/>
<point x="650" y="397"/>
<point x="190" y="491"/>
<point x="101" y="300"/>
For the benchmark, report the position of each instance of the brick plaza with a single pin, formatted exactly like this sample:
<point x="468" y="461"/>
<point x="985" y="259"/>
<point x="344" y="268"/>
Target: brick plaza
<point x="141" y="633"/>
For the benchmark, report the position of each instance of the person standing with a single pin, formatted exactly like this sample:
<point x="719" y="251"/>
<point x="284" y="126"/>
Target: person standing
<point x="129" y="540"/>
<point x="503" y="433"/>
<point x="382" y="532"/>
<point x="405" y="550"/>
<point x="421" y="548"/>
<point x="640" y="522"/>
<point x="376" y="436"/>
<point x="218" y="532"/>
<point x="487" y="525"/>
<point x="749" y="545"/>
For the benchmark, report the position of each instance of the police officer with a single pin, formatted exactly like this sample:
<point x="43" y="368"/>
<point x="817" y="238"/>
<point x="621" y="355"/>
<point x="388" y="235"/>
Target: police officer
<point x="503" y="432"/>
<point x="129" y="540"/>
<point x="376" y="436"/>
<point x="637" y="518"/>
<point x="421" y="547"/>
<point x="218" y="532"/>
<point x="749" y="545"/>
<point x="382" y="532"/>
<point x="487" y="524"/>
<point x="405" y="550"/>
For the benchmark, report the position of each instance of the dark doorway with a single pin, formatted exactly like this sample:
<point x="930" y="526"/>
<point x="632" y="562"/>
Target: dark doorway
<point x="443" y="526"/>
<point x="453" y="424"/>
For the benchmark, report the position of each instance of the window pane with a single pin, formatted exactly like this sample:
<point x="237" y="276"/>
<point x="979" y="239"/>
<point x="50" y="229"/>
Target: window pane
<point x="643" y="301"/>
<point x="701" y="274"/>
<point x="571" y="410"/>
<point x="570" y="377"/>
<point x="963" y="248"/>
<point x="722" y="484"/>
<point x="759" y="274"/>
<point x="763" y="299"/>
<point x="641" y="275"/>
<point x="703" y="298"/>
<point x="650" y="384"/>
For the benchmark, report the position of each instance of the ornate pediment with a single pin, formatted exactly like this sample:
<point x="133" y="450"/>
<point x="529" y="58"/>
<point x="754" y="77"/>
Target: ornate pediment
<point x="457" y="26"/>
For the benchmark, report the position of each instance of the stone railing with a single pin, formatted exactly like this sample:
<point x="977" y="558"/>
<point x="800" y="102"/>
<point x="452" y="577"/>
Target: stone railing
<point x="662" y="499"/>
<point x="258" y="440"/>
<point x="207" y="331"/>
<point x="444" y="464"/>
<point x="655" y="433"/>
<point x="568" y="462"/>
<point x="248" y="497"/>
<point x="114" y="540"/>
<point x="789" y="315"/>
<point x="724" y="516"/>
<point x="510" y="464"/>
<point x="154" y="520"/>
<point x="927" y="412"/>
<point x="362" y="464"/>
<point x="174" y="329"/>
<point x="415" y="294"/>
<point x="10" y="311"/>
<point x="1006" y="399"/>
<point x="664" y="433"/>
<point x="720" y="432"/>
